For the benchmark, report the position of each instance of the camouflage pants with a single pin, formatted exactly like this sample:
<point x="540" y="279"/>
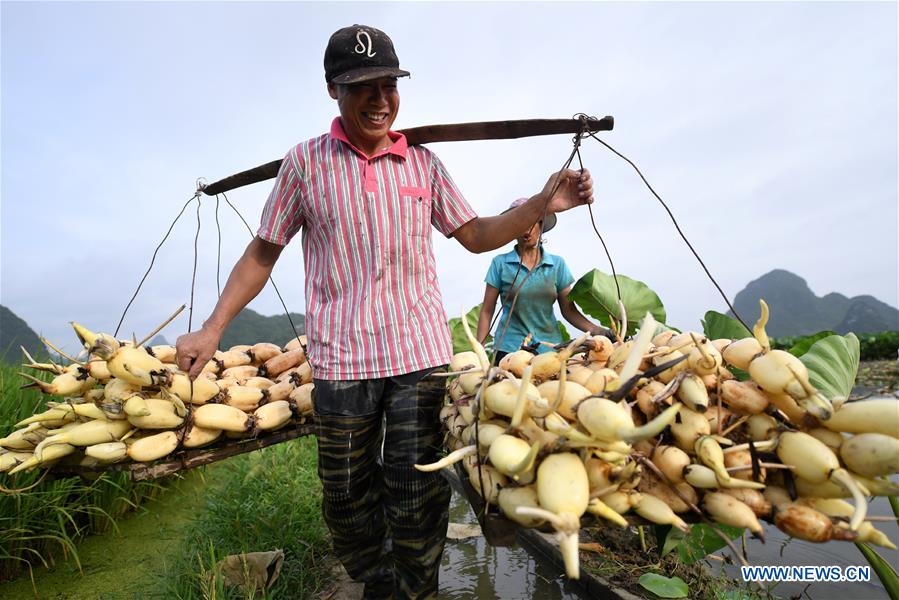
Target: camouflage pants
<point x="370" y="433"/>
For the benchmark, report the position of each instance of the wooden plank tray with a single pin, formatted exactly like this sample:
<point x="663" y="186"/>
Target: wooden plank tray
<point x="188" y="459"/>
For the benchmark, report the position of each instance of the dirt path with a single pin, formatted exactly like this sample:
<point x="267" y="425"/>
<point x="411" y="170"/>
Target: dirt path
<point x="123" y="564"/>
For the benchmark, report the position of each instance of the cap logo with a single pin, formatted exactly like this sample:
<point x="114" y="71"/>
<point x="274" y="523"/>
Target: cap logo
<point x="363" y="47"/>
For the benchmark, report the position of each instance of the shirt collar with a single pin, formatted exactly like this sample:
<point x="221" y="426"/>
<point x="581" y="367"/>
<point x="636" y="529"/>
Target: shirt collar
<point x="512" y="257"/>
<point x="398" y="147"/>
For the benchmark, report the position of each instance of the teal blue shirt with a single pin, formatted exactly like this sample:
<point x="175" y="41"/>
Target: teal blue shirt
<point x="534" y="306"/>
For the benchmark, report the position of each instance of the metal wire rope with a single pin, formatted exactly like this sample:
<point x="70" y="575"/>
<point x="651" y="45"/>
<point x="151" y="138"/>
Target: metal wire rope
<point x="605" y="248"/>
<point x="193" y="276"/>
<point x="676" y="226"/>
<point x="558" y="182"/>
<point x="153" y="260"/>
<point x="286" y="312"/>
<point x="218" y="255"/>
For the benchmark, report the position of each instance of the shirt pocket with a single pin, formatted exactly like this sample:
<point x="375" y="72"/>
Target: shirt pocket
<point x="415" y="210"/>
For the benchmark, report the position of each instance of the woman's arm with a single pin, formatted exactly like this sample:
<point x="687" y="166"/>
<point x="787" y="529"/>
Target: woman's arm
<point x="486" y="315"/>
<point x="574" y="316"/>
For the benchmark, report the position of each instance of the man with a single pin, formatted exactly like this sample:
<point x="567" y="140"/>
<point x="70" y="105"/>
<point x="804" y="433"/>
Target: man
<point x="366" y="201"/>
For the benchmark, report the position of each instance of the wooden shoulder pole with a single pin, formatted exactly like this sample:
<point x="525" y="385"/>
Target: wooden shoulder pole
<point x="457" y="132"/>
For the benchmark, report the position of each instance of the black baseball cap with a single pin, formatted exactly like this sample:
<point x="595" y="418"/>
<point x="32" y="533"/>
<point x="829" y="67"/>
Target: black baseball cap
<point x="360" y="53"/>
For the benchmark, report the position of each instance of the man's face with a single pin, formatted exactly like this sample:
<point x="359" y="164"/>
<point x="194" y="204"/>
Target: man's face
<point x="368" y="110"/>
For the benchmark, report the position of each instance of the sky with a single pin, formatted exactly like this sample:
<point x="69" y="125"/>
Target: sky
<point x="769" y="129"/>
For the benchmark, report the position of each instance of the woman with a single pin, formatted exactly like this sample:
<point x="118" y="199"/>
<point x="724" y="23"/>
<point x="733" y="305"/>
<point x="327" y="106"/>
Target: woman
<point x="539" y="279"/>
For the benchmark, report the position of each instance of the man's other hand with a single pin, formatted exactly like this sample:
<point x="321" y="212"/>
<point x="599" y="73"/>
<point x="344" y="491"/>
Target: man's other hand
<point x="195" y="349"/>
<point x="574" y="189"/>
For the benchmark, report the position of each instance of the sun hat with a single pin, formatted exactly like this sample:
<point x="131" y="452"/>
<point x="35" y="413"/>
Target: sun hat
<point x="360" y="53"/>
<point x="548" y="223"/>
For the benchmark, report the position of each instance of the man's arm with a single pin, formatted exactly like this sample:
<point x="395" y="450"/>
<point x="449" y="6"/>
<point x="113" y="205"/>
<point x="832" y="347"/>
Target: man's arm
<point x="483" y="234"/>
<point x="247" y="279"/>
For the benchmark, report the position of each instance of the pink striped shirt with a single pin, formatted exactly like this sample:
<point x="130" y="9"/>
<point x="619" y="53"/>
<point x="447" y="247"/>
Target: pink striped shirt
<point x="373" y="304"/>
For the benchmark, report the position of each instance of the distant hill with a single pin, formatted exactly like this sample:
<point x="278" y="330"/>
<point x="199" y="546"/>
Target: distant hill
<point x="158" y="340"/>
<point x="867" y="314"/>
<point x="15" y="332"/>
<point x="796" y="310"/>
<point x="249" y="327"/>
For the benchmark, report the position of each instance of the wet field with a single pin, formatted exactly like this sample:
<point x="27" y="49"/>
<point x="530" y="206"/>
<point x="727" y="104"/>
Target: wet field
<point x="473" y="569"/>
<point x="780" y="550"/>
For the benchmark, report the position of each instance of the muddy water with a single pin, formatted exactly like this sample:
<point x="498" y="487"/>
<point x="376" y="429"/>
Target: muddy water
<point x="472" y="569"/>
<point x="780" y="550"/>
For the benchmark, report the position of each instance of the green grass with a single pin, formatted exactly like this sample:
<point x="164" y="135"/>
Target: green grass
<point x="266" y="500"/>
<point x="41" y="525"/>
<point x="126" y="562"/>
